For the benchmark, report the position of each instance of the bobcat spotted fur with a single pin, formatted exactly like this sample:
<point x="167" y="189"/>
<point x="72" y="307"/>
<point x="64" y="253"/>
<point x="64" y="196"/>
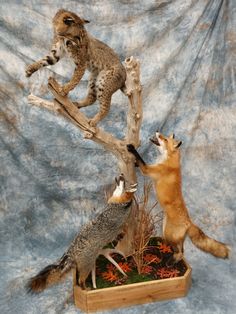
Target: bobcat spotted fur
<point x="107" y="72"/>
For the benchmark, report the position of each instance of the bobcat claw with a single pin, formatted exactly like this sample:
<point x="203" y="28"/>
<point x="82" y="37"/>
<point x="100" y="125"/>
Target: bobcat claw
<point x="29" y="70"/>
<point x="27" y="73"/>
<point x="76" y="104"/>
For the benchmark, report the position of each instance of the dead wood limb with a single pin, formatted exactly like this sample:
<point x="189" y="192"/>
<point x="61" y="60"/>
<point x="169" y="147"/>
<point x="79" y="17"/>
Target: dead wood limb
<point x="64" y="106"/>
<point x="133" y="91"/>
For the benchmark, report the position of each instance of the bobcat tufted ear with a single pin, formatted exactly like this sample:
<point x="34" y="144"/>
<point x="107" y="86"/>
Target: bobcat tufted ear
<point x="85" y="21"/>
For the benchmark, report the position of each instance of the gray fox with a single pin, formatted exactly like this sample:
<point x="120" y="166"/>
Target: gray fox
<point x="90" y="242"/>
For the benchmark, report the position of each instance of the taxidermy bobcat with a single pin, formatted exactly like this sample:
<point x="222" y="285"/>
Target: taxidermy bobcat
<point x="166" y="174"/>
<point x="89" y="243"/>
<point x="107" y="73"/>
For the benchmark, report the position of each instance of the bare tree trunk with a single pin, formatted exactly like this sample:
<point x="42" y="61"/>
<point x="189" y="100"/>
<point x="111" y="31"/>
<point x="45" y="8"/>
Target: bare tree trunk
<point x="63" y="106"/>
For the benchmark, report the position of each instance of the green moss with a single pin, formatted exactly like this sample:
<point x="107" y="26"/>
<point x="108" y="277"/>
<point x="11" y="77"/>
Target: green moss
<point x="108" y="276"/>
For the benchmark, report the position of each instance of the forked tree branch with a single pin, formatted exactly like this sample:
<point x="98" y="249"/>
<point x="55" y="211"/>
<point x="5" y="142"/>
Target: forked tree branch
<point x="64" y="106"/>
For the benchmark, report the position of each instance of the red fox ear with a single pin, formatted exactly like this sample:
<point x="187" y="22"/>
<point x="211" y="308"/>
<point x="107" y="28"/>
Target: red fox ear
<point x="178" y="144"/>
<point x="172" y="136"/>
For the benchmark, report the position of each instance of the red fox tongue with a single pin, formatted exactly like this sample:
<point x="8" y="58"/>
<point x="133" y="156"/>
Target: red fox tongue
<point x="155" y="141"/>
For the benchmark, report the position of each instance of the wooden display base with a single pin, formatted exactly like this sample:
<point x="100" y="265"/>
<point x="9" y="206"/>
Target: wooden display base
<point x="132" y="294"/>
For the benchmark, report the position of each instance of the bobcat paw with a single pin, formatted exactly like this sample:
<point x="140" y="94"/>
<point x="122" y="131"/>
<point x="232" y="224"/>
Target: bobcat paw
<point x="78" y="104"/>
<point x="29" y="70"/>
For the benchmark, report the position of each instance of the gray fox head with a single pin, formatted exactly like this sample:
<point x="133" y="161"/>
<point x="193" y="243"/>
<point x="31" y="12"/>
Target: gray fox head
<point x="120" y="194"/>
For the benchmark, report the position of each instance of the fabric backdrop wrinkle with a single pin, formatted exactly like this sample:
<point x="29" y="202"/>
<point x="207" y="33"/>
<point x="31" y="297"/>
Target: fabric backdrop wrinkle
<point x="52" y="181"/>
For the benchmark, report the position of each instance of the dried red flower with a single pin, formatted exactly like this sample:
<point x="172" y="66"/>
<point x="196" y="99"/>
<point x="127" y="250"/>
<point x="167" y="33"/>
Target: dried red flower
<point x="109" y="276"/>
<point x="146" y="269"/>
<point x="151" y="258"/>
<point x="110" y="267"/>
<point x="165" y="248"/>
<point x="167" y="273"/>
<point x="126" y="267"/>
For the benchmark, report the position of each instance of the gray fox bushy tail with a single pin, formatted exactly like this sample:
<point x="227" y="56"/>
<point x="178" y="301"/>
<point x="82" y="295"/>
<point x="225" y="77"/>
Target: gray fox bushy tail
<point x="50" y="275"/>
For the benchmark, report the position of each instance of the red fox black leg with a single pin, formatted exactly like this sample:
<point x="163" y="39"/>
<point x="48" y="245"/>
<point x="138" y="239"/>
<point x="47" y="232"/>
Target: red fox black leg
<point x="133" y="151"/>
<point x="179" y="253"/>
<point x="177" y="256"/>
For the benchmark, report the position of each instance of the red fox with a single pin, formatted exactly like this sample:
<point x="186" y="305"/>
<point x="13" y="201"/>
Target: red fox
<point x="166" y="174"/>
<point x="89" y="243"/>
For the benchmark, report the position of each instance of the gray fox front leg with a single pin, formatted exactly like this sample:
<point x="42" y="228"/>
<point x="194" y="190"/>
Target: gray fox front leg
<point x="53" y="57"/>
<point x="94" y="277"/>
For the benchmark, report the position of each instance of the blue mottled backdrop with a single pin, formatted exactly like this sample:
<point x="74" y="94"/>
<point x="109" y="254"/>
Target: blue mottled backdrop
<point x="52" y="179"/>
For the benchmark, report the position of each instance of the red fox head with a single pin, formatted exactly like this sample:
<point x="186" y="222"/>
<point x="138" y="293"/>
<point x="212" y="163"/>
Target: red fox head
<point x="166" y="145"/>
<point x="120" y="194"/>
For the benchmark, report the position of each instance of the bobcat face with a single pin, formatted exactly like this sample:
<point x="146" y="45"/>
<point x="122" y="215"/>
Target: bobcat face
<point x="67" y="23"/>
<point x="165" y="145"/>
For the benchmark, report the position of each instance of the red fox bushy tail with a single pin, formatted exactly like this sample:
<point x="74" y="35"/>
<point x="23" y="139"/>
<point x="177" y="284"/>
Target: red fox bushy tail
<point x="207" y="244"/>
<point x="50" y="275"/>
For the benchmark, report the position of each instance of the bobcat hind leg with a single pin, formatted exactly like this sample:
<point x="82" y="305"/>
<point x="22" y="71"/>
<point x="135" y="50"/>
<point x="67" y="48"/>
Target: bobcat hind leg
<point x="108" y="82"/>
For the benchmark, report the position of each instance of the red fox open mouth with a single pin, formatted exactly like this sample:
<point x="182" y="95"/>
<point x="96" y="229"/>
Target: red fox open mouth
<point x="155" y="139"/>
